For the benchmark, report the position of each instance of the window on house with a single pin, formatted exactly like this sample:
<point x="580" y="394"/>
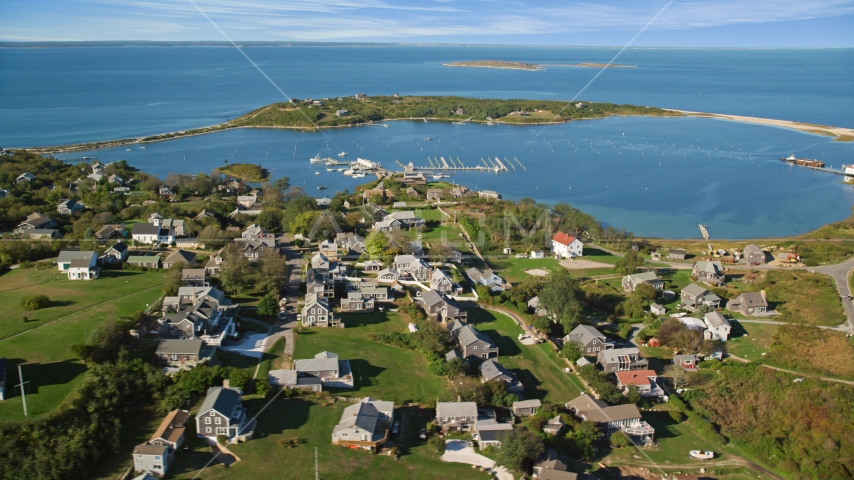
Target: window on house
<point x="207" y="420"/>
<point x="218" y="421"/>
<point x="221" y="431"/>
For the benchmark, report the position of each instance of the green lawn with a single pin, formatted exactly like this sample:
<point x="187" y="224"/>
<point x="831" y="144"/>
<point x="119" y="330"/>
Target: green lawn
<point x="675" y="440"/>
<point x="513" y="269"/>
<point x="45" y="352"/>
<point x="381" y="371"/>
<point x="285" y="419"/>
<point x="537" y="366"/>
<point x="757" y="341"/>
<point x="66" y="296"/>
<point x="601" y="256"/>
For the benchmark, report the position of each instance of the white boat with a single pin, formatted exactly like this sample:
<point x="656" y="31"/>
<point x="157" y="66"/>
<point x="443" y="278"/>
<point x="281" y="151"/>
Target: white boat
<point x="359" y="175"/>
<point x="317" y="173"/>
<point x="141" y="147"/>
<point x="348" y="172"/>
<point x="330" y="169"/>
<point x="128" y="149"/>
<point x="342" y="154"/>
<point x="315" y="159"/>
<point x="702" y="454"/>
<point x="341" y="169"/>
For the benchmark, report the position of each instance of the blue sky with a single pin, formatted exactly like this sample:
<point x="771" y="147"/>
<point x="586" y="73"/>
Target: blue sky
<point x="687" y="23"/>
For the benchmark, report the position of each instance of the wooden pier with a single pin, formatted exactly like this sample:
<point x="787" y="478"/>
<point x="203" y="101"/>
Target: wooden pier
<point x="443" y="166"/>
<point x="704" y="231"/>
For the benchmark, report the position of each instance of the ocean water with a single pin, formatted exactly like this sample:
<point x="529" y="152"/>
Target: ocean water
<point x="653" y="176"/>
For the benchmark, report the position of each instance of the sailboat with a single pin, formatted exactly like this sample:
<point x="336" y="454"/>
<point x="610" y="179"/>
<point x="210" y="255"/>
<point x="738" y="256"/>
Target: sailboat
<point x="342" y="154"/>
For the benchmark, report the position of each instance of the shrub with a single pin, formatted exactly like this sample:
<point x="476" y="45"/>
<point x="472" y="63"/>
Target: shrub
<point x="619" y="439"/>
<point x="437" y="443"/>
<point x="35" y="302"/>
<point x="677" y="416"/>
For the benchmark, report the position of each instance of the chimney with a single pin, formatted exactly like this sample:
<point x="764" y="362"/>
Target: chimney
<point x="763" y="293"/>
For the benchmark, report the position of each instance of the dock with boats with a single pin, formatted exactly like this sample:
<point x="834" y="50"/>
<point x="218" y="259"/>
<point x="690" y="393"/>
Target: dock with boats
<point x="442" y="164"/>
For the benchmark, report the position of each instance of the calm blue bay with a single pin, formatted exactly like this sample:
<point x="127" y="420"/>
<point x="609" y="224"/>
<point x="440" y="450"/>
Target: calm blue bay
<point x="653" y="176"/>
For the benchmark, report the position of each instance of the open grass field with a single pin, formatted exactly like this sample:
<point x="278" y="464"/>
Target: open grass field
<point x="513" y="269"/>
<point x="804" y="297"/>
<point x="537" y="366"/>
<point x="757" y="341"/>
<point x="812" y="350"/>
<point x="381" y="371"/>
<point x="285" y="419"/>
<point x="45" y="352"/>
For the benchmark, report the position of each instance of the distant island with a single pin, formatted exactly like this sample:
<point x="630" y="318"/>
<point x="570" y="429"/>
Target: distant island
<point x="601" y="65"/>
<point x="314" y="114"/>
<point x="495" y="64"/>
<point x="245" y="171"/>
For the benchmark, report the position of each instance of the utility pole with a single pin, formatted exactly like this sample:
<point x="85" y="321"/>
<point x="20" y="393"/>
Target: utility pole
<point x="23" y="394"/>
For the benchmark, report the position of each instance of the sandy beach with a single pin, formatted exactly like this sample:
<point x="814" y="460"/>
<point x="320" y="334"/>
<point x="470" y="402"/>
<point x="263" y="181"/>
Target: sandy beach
<point x="839" y="133"/>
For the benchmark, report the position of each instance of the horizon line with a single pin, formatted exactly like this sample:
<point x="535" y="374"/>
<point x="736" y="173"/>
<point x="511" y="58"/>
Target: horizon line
<point x="279" y="43"/>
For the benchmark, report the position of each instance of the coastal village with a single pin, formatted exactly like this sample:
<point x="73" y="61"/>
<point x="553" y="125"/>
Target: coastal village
<point x="400" y="327"/>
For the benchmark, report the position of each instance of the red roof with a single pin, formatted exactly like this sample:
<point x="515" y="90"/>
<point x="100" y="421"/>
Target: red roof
<point x="635" y="377"/>
<point x="563" y="238"/>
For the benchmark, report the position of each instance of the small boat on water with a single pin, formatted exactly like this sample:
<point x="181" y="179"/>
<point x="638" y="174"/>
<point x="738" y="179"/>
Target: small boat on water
<point x="340" y="169"/>
<point x="702" y="454"/>
<point x="342" y="154"/>
<point x="315" y="159"/>
<point x="359" y="175"/>
<point x="142" y="147"/>
<point x="348" y="172"/>
<point x="330" y="169"/>
<point x="317" y="173"/>
<point x="128" y="149"/>
<point x="427" y="138"/>
<point x="322" y="187"/>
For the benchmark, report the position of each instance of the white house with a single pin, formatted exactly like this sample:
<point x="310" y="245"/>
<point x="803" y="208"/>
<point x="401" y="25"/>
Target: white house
<point x="537" y="254"/>
<point x="83" y="268"/>
<point x="717" y="326"/>
<point x="149" y="234"/>
<point x="566" y="246"/>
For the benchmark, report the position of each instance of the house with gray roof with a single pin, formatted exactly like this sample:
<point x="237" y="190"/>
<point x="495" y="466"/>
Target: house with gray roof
<point x="440" y="306"/>
<point x="754" y="255"/>
<point x="676" y="253"/>
<point x="364" y="425"/>
<point x="694" y="296"/>
<point x="717" y="326"/>
<point x="526" y="408"/>
<point x="116" y="254"/>
<point x="487" y="278"/>
<point x="709" y="272"/>
<point x="490" y="433"/>
<point x="25" y="177"/>
<point x="109" y="231"/>
<point x="492" y="370"/>
<point x="399" y="220"/>
<point x="441" y="282"/>
<point x="749" y="303"/>
<point x="35" y="221"/>
<point x="626" y="418"/>
<point x="68" y="206"/>
<point x="357" y="301"/>
<point x="147" y="233"/>
<point x="535" y="308"/>
<point x="621" y="360"/>
<point x="293" y="380"/>
<point x="411" y="266"/>
<point x="317" y="312"/>
<point x="223" y="413"/>
<point x="686" y="362"/>
<point x="63" y="263"/>
<point x="189" y="258"/>
<point x="548" y="466"/>
<point x="456" y="415"/>
<point x="152" y="459"/>
<point x="195" y="277"/>
<point x="631" y="282"/>
<point x="41" y="234"/>
<point x="475" y="344"/>
<point x="592" y="340"/>
<point x="184" y="354"/>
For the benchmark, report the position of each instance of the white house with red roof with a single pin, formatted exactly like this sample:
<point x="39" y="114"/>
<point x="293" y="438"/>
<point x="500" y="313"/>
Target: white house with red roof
<point x="566" y="246"/>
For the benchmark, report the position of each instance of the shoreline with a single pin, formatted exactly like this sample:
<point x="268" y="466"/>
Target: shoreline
<point x="841" y="134"/>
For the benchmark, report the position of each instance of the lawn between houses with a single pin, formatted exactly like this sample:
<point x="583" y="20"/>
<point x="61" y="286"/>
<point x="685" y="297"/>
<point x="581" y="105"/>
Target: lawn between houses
<point x="296" y="418"/>
<point x="45" y="353"/>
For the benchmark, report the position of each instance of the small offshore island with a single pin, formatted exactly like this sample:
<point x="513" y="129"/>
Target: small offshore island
<point x="495" y="64"/>
<point x="245" y="171"/>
